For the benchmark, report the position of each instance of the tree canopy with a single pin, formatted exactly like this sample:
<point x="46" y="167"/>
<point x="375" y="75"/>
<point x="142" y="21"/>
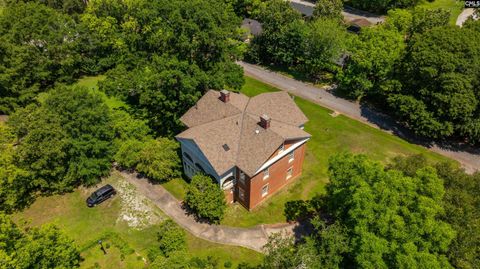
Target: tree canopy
<point x="44" y="247"/>
<point x="205" y="198"/>
<point x="66" y="140"/>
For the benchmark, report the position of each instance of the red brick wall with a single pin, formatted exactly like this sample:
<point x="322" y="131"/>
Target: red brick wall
<point x="276" y="180"/>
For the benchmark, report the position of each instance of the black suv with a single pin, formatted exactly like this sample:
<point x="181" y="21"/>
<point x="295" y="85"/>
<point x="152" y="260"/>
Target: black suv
<point x="101" y="195"/>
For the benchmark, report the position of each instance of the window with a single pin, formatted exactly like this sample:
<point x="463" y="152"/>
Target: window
<point x="289" y="172"/>
<point x="242" y="177"/>
<point x="265" y="190"/>
<point x="241" y="194"/>
<point x="291" y="156"/>
<point x="266" y="173"/>
<point x="188" y="157"/>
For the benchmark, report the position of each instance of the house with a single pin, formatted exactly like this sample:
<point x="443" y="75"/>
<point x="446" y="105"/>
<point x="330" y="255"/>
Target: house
<point x="251" y="146"/>
<point x="252" y="28"/>
<point x="355" y="26"/>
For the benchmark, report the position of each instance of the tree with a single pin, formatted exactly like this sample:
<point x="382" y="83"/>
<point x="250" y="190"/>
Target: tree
<point x="372" y="63"/>
<point x="128" y="154"/>
<point x="206" y="198"/>
<point x="331" y="9"/>
<point x="392" y="220"/>
<point x="425" y="19"/>
<point x="160" y="92"/>
<point x="381" y="5"/>
<point x="159" y="160"/>
<point x="440" y="77"/>
<point x="66" y="140"/>
<point x="44" y="247"/>
<point x="325" y="41"/>
<point x="37" y="48"/>
<point x="283" y="32"/>
<point x="460" y="200"/>
<point x="15" y="183"/>
<point x="171" y="238"/>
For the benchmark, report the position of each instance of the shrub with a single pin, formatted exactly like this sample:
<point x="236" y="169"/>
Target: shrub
<point x="171" y="238"/>
<point x="206" y="198"/>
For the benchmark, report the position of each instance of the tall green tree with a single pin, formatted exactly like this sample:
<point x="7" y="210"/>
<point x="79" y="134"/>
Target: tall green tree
<point x="37" y="48"/>
<point x="66" y="140"/>
<point x="325" y="42"/>
<point x="440" y="76"/>
<point x="331" y="9"/>
<point x="371" y="65"/>
<point x="159" y="160"/>
<point x="15" y="182"/>
<point x="206" y="198"/>
<point x="44" y="247"/>
<point x="392" y="220"/>
<point x="460" y="202"/>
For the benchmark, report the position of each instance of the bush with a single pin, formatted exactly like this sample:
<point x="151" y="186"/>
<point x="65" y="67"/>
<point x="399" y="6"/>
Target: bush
<point x="206" y="198"/>
<point x="171" y="238"/>
<point x="296" y="210"/>
<point x="159" y="160"/>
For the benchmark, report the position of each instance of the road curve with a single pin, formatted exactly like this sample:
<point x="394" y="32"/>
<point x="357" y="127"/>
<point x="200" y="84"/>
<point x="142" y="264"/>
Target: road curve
<point x="468" y="157"/>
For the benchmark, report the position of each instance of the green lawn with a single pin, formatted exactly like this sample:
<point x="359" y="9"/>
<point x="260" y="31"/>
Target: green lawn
<point x="454" y="6"/>
<point x="88" y="225"/>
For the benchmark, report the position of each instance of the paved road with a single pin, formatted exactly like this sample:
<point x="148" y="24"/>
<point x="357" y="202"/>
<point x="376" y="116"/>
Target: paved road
<point x="252" y="238"/>
<point x="469" y="158"/>
<point x="349" y="14"/>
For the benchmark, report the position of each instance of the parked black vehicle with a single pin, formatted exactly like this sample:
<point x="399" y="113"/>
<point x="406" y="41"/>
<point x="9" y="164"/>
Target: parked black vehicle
<point x="101" y="195"/>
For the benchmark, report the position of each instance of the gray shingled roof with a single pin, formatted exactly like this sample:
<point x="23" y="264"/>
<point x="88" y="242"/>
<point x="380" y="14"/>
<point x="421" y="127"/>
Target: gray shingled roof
<point x="213" y="124"/>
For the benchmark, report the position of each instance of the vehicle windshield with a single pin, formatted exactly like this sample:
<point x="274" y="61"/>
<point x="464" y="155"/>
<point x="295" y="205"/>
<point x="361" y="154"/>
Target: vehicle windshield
<point x="94" y="195"/>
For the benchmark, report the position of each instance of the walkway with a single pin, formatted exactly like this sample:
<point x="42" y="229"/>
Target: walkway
<point x="253" y="238"/>
<point x="469" y="158"/>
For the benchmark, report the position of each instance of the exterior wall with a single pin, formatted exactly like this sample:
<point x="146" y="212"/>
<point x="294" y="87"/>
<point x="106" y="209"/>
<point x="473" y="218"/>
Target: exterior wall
<point x="190" y="148"/>
<point x="276" y="180"/>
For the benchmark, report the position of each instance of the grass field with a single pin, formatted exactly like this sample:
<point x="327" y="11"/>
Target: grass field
<point x="127" y="245"/>
<point x="454" y="6"/>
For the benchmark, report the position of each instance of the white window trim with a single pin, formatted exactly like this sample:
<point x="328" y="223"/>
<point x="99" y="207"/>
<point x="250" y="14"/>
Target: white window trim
<point x="266" y="173"/>
<point x="266" y="193"/>
<point x="291" y="156"/>
<point x="289" y="175"/>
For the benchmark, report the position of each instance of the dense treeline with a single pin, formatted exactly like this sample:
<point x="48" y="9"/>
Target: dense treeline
<point x="191" y="45"/>
<point x="381" y="6"/>
<point x="405" y="215"/>
<point x="422" y="70"/>
<point x="287" y="40"/>
<point x="415" y="66"/>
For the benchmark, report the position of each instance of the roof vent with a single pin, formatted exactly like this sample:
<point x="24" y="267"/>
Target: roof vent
<point x="226" y="147"/>
<point x="225" y="96"/>
<point x="265" y="121"/>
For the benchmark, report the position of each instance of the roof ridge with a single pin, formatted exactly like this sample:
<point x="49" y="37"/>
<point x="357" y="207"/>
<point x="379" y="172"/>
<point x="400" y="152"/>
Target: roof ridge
<point x="241" y="130"/>
<point x="253" y="114"/>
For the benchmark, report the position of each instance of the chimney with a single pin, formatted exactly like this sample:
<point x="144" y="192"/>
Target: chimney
<point x="225" y="96"/>
<point x="265" y="121"/>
